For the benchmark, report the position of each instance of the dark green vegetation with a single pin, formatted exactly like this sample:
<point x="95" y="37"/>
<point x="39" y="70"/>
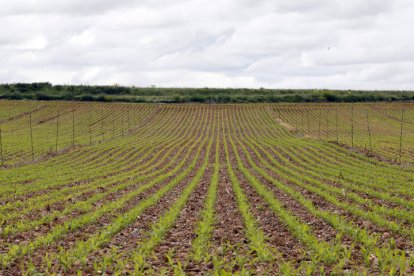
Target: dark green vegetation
<point x="47" y="91"/>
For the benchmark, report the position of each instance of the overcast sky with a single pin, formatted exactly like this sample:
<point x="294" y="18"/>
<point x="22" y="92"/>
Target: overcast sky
<point x="355" y="44"/>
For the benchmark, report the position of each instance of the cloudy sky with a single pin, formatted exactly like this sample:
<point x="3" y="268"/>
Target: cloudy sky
<point x="230" y="43"/>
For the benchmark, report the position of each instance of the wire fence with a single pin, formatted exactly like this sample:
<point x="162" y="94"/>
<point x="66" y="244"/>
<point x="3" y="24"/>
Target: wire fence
<point x="30" y="129"/>
<point x="383" y="130"/>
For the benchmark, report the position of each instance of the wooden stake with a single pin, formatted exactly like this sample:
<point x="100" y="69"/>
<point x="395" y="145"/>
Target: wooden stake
<point x="369" y="132"/>
<point x="352" y="125"/>
<point x="57" y="131"/>
<point x="301" y="117"/>
<point x="319" y="124"/>
<point x="90" y="127"/>
<point x="401" y="133"/>
<point x="296" y="123"/>
<point x="128" y="120"/>
<point x="102" y="123"/>
<point x="113" y="126"/>
<point x="1" y="149"/>
<point x="73" y="127"/>
<point x="31" y="134"/>
<point x="123" y="119"/>
<point x="327" y="123"/>
<point x="336" y="124"/>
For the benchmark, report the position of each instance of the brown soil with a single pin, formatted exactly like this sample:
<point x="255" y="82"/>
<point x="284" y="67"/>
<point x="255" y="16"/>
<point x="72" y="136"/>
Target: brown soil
<point x="181" y="235"/>
<point x="276" y="232"/>
<point x="83" y="233"/>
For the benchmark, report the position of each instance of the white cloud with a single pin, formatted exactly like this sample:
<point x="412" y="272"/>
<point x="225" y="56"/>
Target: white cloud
<point x="239" y="43"/>
<point x="85" y="38"/>
<point x="36" y="43"/>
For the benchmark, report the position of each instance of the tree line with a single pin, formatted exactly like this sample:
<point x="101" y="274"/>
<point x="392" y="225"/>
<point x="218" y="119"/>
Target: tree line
<point x="116" y="93"/>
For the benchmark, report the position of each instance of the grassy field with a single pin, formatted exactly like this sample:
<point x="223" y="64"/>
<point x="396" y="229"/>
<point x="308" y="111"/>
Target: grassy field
<point x="188" y="189"/>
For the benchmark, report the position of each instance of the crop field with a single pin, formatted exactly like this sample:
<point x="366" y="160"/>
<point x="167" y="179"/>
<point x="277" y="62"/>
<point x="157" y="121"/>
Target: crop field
<point x="384" y="130"/>
<point x="105" y="188"/>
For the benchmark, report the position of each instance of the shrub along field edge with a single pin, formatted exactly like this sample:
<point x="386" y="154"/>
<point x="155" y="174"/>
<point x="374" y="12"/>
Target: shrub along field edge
<point x="116" y="93"/>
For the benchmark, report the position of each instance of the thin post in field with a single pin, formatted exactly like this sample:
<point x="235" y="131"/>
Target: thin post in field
<point x="301" y="117"/>
<point x="123" y="119"/>
<point x="336" y="124"/>
<point x="401" y="133"/>
<point x="352" y="125"/>
<point x="90" y="127"/>
<point x="327" y="123"/>
<point x="113" y="125"/>
<point x="73" y="127"/>
<point x="57" y="130"/>
<point x="1" y="149"/>
<point x="102" y="123"/>
<point x="31" y="135"/>
<point x="369" y="131"/>
<point x="319" y="124"/>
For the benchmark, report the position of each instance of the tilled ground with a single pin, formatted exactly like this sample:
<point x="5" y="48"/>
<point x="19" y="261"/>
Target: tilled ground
<point x="278" y="165"/>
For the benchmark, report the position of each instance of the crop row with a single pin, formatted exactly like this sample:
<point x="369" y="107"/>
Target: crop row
<point x="273" y="201"/>
<point x="385" y="129"/>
